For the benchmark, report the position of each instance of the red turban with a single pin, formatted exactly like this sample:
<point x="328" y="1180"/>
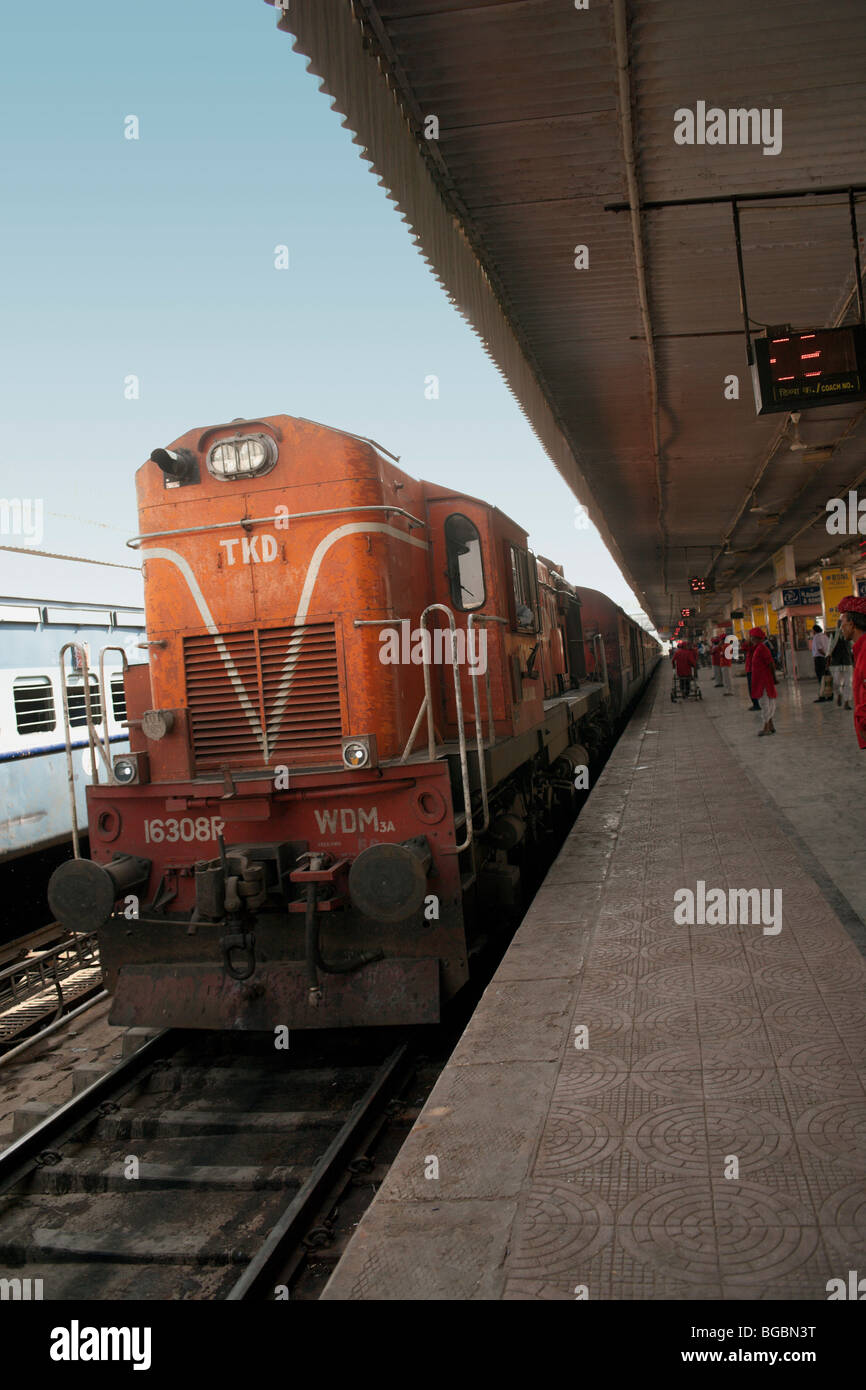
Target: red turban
<point x="852" y="605"/>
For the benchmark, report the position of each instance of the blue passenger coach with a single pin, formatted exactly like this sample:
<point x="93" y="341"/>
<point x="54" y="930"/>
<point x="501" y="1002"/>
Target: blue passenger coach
<point x="47" y="601"/>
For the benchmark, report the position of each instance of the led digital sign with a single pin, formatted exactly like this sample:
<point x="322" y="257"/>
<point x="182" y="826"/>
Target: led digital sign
<point x="702" y="586"/>
<point x="797" y="371"/>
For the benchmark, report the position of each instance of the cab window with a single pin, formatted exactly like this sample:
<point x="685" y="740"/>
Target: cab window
<point x="524" y="589"/>
<point x="465" y="566"/>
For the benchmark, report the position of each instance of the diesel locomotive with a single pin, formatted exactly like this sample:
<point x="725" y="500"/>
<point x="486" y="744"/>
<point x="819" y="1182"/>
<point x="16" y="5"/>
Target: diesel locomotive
<point x="365" y="702"/>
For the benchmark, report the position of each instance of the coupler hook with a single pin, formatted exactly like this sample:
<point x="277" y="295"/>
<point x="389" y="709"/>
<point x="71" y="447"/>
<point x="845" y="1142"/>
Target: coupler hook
<point x="239" y="941"/>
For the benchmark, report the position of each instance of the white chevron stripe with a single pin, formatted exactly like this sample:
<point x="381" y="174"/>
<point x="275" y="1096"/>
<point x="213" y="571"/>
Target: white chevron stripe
<point x="287" y="675"/>
<point x="267" y="737"/>
<point x="159" y="553"/>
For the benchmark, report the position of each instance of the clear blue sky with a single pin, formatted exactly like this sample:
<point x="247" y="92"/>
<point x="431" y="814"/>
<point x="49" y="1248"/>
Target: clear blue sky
<point x="155" y="258"/>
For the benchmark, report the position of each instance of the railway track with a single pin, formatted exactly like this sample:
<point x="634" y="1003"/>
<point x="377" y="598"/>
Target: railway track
<point x="42" y="937"/>
<point x="44" y="975"/>
<point x="203" y="1167"/>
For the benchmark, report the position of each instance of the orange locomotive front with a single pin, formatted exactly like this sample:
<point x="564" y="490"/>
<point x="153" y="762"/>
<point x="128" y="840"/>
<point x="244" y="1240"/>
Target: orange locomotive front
<point x="309" y="794"/>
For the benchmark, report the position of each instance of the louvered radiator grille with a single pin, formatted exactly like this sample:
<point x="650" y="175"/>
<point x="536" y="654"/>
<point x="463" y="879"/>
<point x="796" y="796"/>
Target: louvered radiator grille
<point x="264" y="697"/>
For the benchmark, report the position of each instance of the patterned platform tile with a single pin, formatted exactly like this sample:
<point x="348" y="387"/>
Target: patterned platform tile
<point x="697" y="1045"/>
<point x="557" y="1230"/>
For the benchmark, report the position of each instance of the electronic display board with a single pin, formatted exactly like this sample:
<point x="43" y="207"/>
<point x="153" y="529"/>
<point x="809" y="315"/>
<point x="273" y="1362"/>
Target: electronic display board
<point x="798" y="371"/>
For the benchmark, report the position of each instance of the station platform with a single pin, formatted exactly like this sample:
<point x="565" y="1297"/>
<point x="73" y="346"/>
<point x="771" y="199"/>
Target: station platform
<point x="644" y="1109"/>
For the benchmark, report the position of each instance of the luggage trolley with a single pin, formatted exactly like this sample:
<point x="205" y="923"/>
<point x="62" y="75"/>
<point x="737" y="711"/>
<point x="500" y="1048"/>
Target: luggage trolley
<point x="694" y="691"/>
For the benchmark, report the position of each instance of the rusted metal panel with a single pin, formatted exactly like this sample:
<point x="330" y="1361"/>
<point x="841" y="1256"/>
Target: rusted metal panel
<point x="202" y="996"/>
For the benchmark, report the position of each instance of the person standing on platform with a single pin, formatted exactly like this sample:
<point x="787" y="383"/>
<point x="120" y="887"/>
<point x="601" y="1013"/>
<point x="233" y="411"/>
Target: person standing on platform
<point x="853" y="624"/>
<point x="840" y="666"/>
<point x="819" y="646"/>
<point x="749" y="649"/>
<point x="724" y="649"/>
<point x="763" y="685"/>
<point x="714" y="657"/>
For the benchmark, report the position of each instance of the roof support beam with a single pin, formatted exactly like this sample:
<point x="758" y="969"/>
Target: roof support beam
<point x="620" y="21"/>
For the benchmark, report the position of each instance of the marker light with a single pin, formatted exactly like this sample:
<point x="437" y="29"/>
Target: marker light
<point x="359" y="750"/>
<point x="355" y="755"/>
<point x="130" y="768"/>
<point x="243" y="456"/>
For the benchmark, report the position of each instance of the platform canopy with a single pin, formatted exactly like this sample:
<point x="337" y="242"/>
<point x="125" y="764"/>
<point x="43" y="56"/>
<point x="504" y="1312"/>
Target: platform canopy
<point x="529" y="145"/>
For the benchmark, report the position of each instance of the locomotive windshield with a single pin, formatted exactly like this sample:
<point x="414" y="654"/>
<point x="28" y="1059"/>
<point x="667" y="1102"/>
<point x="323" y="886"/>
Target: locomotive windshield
<point x="465" y="566"/>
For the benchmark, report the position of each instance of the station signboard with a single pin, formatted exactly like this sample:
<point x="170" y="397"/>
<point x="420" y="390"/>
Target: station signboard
<point x="835" y="585"/>
<point x="803" y="596"/>
<point x="798" y="371"/>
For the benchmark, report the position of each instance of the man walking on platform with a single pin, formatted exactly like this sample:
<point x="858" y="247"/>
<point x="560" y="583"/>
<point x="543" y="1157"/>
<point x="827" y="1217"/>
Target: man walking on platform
<point x="853" y="624"/>
<point x="763" y="685"/>
<point x="715" y="647"/>
<point x="819" y="647"/>
<point x="840" y="665"/>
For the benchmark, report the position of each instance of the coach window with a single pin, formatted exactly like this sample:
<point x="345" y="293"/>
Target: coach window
<point x="77" y="703"/>
<point x="465" y="567"/>
<point x="118" y="699"/>
<point x="524" y="590"/>
<point x="34" y="704"/>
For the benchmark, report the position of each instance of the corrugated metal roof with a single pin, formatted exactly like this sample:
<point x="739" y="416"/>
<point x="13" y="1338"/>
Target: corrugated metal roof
<point x="530" y="151"/>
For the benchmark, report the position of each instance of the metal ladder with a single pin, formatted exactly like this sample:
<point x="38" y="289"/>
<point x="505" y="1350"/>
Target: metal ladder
<point x="475" y="619"/>
<point x="100" y="744"/>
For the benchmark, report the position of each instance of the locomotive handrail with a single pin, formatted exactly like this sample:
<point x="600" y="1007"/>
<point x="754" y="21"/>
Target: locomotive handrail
<point x="486" y="618"/>
<point x="246" y="521"/>
<point x="599" y="638"/>
<point x="458" y="700"/>
<point x="479" y="738"/>
<point x="427" y="707"/>
<point x="92" y="737"/>
<point x="124" y="668"/>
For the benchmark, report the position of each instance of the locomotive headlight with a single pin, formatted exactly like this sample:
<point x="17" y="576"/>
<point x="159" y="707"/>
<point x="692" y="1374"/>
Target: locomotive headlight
<point x="243" y="456"/>
<point x="360" y="751"/>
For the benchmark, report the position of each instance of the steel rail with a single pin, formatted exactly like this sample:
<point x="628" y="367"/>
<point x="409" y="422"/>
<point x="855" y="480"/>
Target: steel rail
<point x="53" y="1027"/>
<point x="261" y="1273"/>
<point x="19" y="946"/>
